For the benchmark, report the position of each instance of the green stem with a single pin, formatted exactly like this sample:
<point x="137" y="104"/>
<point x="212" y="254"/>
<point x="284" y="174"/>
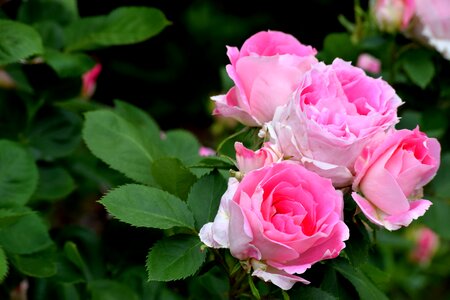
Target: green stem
<point x="231" y="136"/>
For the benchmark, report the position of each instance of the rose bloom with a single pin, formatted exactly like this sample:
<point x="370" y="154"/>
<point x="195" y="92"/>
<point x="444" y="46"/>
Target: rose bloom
<point x="281" y="218"/>
<point x="335" y="113"/>
<point x="394" y="15"/>
<point x="266" y="71"/>
<point x="390" y="176"/>
<point x="433" y="24"/>
<point x="369" y="63"/>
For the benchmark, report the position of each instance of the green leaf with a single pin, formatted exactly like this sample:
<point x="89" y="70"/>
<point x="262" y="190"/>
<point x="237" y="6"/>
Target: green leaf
<point x="210" y="285"/>
<point x="11" y="215"/>
<point x="365" y="288"/>
<point x="378" y="277"/>
<point x="357" y="248"/>
<point x="175" y="258"/>
<point x="52" y="34"/>
<point x="309" y="292"/>
<point x="144" y="206"/>
<point x="61" y="11"/>
<point x="27" y="235"/>
<point x="56" y="137"/>
<point x="143" y="123"/>
<point x="54" y="183"/>
<point x="338" y="45"/>
<point x="437" y="218"/>
<point x="139" y="118"/>
<point x="409" y="120"/>
<point x="182" y="145"/>
<point x="204" y="198"/>
<point x="104" y="289"/>
<point x="440" y="183"/>
<point x="119" y="144"/>
<point x="18" y="174"/>
<point x="419" y="66"/>
<point x="253" y="288"/>
<point x="74" y="256"/>
<point x="173" y="177"/>
<point x="68" y="64"/>
<point x="124" y="25"/>
<point x="434" y="122"/>
<point x="78" y="105"/>
<point x="17" y="42"/>
<point x="38" y="264"/>
<point x="4" y="267"/>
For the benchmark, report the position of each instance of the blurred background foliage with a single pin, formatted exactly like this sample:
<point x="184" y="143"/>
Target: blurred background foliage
<point x="172" y="76"/>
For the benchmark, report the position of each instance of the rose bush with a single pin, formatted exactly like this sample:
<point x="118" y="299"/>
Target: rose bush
<point x="281" y="218"/>
<point x="337" y="110"/>
<point x="390" y="176"/>
<point x="433" y="24"/>
<point x="394" y="15"/>
<point x="267" y="69"/>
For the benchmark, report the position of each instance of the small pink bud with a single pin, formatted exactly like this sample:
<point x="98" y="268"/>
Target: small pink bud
<point x="369" y="63"/>
<point x="426" y="244"/>
<point x="90" y="81"/>
<point x="205" y="151"/>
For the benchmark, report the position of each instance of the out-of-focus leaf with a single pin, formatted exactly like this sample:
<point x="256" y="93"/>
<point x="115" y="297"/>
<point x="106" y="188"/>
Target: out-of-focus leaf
<point x="211" y="285"/>
<point x="419" y="66"/>
<point x="68" y="64"/>
<point x="124" y="25"/>
<point x="440" y="183"/>
<point x="437" y="218"/>
<point x="11" y="215"/>
<point x="38" y="264"/>
<point x="307" y="292"/>
<point x="104" y="289"/>
<point x="4" y="267"/>
<point x="54" y="183"/>
<point x="56" y="137"/>
<point x="26" y="236"/>
<point x="18" y="41"/>
<point x="366" y="289"/>
<point x="409" y="120"/>
<point x="175" y="258"/>
<point x="144" y="206"/>
<point x="61" y="11"/>
<point x="51" y="32"/>
<point x="18" y="174"/>
<point x="338" y="45"/>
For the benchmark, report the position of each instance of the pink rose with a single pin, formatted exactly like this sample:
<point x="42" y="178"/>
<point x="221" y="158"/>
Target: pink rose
<point x="369" y="63"/>
<point x="266" y="71"/>
<point x="248" y="160"/>
<point x="433" y="18"/>
<point x="426" y="245"/>
<point x="89" y="80"/>
<point x="394" y="15"/>
<point x="390" y="176"/>
<point x="336" y="112"/>
<point x="206" y="151"/>
<point x="281" y="219"/>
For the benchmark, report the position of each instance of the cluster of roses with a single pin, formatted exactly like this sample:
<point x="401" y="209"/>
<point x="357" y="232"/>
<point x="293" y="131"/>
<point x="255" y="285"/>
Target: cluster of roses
<point x="426" y="20"/>
<point x="327" y="130"/>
